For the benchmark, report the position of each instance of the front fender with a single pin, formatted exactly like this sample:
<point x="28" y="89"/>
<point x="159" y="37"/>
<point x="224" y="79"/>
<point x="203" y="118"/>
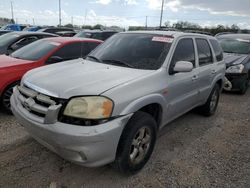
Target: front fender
<point x="144" y="101"/>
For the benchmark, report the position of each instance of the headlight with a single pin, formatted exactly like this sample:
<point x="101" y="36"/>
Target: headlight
<point x="235" y="69"/>
<point x="92" y="107"/>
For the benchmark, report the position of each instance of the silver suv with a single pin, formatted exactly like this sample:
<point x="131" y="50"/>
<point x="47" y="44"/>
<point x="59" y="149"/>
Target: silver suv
<point x="110" y="106"/>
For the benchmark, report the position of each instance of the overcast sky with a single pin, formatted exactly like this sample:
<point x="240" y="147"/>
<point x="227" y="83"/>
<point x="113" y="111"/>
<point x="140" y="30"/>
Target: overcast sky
<point x="129" y="12"/>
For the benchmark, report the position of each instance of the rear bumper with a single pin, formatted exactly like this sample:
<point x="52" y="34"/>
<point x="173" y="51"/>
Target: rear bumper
<point x="85" y="145"/>
<point x="234" y="81"/>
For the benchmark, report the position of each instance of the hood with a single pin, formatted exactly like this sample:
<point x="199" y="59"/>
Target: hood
<point x="7" y="61"/>
<point x="79" y="77"/>
<point x="234" y="59"/>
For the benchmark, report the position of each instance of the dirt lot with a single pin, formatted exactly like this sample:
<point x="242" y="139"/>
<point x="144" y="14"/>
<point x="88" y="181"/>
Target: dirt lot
<point x="193" y="151"/>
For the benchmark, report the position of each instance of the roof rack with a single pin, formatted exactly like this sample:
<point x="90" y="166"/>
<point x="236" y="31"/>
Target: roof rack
<point x="166" y="29"/>
<point x="198" y="32"/>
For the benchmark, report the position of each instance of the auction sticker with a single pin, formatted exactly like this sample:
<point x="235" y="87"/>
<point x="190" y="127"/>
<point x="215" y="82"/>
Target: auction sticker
<point x="163" y="39"/>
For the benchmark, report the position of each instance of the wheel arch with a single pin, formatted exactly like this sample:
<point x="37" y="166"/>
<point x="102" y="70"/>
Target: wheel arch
<point x="151" y="104"/>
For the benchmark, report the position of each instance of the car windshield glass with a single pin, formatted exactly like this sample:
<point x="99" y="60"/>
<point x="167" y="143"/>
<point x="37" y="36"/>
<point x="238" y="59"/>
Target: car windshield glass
<point x="140" y="51"/>
<point x="238" y="46"/>
<point x="35" y="50"/>
<point x="7" y="38"/>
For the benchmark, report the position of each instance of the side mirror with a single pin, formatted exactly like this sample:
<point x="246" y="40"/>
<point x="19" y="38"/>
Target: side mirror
<point x="54" y="59"/>
<point x="183" y="66"/>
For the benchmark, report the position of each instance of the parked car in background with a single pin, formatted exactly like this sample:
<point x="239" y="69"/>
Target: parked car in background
<point x="95" y="34"/>
<point x="66" y="33"/>
<point x="2" y="32"/>
<point x="54" y="30"/>
<point x="236" y="49"/>
<point x="13" y="27"/>
<point x="110" y="106"/>
<point x="13" y="41"/>
<point x="43" y="52"/>
<point x="32" y="28"/>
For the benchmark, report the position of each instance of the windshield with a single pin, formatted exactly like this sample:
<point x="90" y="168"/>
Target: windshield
<point x="8" y="38"/>
<point x="238" y="46"/>
<point x="141" y="51"/>
<point x="35" y="50"/>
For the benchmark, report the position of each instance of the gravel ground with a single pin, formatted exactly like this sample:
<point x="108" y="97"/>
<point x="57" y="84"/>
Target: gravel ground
<point x="192" y="151"/>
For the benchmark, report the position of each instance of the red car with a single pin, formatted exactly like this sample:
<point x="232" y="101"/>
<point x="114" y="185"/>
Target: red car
<point x="43" y="52"/>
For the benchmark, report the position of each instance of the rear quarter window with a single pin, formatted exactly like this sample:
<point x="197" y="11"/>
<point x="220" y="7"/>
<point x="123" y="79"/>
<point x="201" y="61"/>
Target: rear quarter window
<point x="217" y="49"/>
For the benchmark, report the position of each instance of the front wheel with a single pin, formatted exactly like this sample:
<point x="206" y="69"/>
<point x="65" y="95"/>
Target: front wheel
<point x="136" y="143"/>
<point x="210" y="107"/>
<point x="5" y="98"/>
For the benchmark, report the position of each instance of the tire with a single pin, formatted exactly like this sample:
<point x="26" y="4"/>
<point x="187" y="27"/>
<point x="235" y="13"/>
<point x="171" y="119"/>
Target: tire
<point x="210" y="107"/>
<point x="244" y="87"/>
<point x="5" y="98"/>
<point x="136" y="143"/>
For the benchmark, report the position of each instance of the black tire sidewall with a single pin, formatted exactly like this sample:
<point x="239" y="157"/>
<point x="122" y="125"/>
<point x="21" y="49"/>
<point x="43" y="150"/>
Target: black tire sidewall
<point x="217" y="90"/>
<point x="139" y="120"/>
<point x="6" y="109"/>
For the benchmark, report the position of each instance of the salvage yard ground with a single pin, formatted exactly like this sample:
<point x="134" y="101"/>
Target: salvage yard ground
<point x="193" y="151"/>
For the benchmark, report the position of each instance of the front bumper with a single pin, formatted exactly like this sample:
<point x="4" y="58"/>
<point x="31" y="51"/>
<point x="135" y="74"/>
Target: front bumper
<point x="233" y="82"/>
<point x="85" y="145"/>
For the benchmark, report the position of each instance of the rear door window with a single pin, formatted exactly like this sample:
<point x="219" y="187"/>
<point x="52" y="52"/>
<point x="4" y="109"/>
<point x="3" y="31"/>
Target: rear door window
<point x="217" y="49"/>
<point x="204" y="52"/>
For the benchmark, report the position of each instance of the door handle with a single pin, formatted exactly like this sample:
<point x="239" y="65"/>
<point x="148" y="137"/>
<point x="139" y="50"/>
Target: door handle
<point x="195" y="77"/>
<point x="213" y="72"/>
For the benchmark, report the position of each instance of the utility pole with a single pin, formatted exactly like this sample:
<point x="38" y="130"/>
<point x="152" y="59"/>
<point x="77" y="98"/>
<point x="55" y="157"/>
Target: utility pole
<point x="72" y="18"/>
<point x="12" y="13"/>
<point x="60" y="19"/>
<point x="162" y="5"/>
<point x="85" y="17"/>
<point x="33" y="21"/>
<point x="146" y="23"/>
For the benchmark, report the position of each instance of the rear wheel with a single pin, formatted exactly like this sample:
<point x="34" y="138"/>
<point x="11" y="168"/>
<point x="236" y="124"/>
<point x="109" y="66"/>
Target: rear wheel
<point x="136" y="143"/>
<point x="5" y="98"/>
<point x="210" y="107"/>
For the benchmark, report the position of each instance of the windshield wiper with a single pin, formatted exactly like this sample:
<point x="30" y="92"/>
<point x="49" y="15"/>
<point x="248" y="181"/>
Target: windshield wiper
<point x="95" y="58"/>
<point x="114" y="61"/>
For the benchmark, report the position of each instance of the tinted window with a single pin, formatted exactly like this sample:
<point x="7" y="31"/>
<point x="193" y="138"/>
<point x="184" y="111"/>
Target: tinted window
<point x="184" y="51"/>
<point x="96" y="36"/>
<point x="93" y="45"/>
<point x="106" y="35"/>
<point x="85" y="49"/>
<point x="69" y="51"/>
<point x="217" y="50"/>
<point x="26" y="40"/>
<point x="141" y="51"/>
<point x="35" y="50"/>
<point x="204" y="52"/>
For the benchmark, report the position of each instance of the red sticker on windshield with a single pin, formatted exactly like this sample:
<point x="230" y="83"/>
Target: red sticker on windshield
<point x="163" y="39"/>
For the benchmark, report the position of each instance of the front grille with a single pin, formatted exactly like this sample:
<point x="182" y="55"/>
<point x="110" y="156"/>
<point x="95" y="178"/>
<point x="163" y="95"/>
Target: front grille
<point x="38" y="104"/>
